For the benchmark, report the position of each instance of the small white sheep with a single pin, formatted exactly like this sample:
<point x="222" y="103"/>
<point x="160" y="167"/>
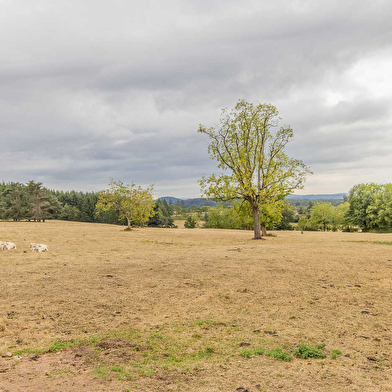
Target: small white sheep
<point x="7" y="245"/>
<point x="39" y="247"/>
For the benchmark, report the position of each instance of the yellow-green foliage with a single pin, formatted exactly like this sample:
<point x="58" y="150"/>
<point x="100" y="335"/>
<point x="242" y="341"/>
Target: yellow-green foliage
<point x="247" y="145"/>
<point x="324" y="216"/>
<point x="131" y="202"/>
<point x="239" y="215"/>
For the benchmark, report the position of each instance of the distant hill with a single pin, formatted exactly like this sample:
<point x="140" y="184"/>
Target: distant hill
<point x="169" y="199"/>
<point x="200" y="202"/>
<point x="334" y="198"/>
<point x="186" y="203"/>
<point x="319" y="196"/>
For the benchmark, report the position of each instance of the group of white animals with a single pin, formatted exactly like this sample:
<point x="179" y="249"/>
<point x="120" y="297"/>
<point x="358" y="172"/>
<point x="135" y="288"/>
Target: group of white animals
<point x="33" y="247"/>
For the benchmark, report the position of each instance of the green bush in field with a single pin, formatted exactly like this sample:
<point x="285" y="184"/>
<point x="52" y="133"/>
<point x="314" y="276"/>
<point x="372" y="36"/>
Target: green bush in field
<point x="278" y="353"/>
<point x="248" y="353"/>
<point x="335" y="354"/>
<point x="190" y="222"/>
<point x="304" y="351"/>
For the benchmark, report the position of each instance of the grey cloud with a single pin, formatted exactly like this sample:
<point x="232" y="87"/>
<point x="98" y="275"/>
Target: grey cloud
<point x="95" y="89"/>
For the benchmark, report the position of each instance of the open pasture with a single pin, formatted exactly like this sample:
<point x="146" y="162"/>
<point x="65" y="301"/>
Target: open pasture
<point x="193" y="310"/>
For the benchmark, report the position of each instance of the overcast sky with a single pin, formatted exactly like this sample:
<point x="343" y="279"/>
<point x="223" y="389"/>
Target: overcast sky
<point x="95" y="89"/>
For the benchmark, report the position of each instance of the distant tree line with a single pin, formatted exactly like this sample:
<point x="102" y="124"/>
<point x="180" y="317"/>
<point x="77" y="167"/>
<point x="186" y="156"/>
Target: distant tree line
<point x="188" y="203"/>
<point x="326" y="217"/>
<point x="368" y="207"/>
<point x="305" y="202"/>
<point x="33" y="202"/>
<point x="278" y="216"/>
<point x="27" y="201"/>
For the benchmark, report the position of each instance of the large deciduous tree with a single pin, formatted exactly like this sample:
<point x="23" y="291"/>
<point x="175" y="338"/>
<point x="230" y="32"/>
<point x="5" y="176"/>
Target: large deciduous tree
<point x="249" y="145"/>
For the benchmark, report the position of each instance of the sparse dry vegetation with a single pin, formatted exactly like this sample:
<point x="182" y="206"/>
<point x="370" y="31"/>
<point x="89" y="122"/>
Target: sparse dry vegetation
<point x="193" y="310"/>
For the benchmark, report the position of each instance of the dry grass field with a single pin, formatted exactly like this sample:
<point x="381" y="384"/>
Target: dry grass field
<point x="193" y="310"/>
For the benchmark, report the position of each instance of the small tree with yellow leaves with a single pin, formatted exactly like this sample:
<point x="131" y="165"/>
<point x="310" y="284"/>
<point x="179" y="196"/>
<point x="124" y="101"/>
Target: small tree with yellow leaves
<point x="130" y="201"/>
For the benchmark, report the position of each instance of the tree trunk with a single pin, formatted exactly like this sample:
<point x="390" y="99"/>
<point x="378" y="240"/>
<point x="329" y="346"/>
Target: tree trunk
<point x="263" y="231"/>
<point x="129" y="223"/>
<point x="256" y="222"/>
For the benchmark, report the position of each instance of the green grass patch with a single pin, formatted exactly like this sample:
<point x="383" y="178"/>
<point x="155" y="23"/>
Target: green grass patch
<point x="304" y="351"/>
<point x="101" y="371"/>
<point x="120" y="372"/>
<point x="95" y="339"/>
<point x="335" y="354"/>
<point x="249" y="353"/>
<point x="278" y="353"/>
<point x="180" y="347"/>
<point x="206" y="354"/>
<point x="209" y="323"/>
<point x="373" y="242"/>
<point x="31" y="351"/>
<point x="147" y="372"/>
<point x="117" y="369"/>
<point x="127" y="334"/>
<point x="60" y="345"/>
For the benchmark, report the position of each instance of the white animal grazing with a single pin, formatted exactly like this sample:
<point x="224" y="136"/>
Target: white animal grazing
<point x="39" y="248"/>
<point x="7" y="245"/>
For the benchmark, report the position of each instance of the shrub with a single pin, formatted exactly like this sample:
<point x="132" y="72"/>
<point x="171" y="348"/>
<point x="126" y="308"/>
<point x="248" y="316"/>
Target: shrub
<point x="304" y="351"/>
<point x="259" y="351"/>
<point x="278" y="353"/>
<point x="248" y="353"/>
<point x="335" y="354"/>
<point x="190" y="222"/>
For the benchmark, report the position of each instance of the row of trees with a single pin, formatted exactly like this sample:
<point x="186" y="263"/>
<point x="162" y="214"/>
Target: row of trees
<point x="256" y="176"/>
<point x="31" y="201"/>
<point x="26" y="201"/>
<point x="277" y="216"/>
<point x="370" y="207"/>
<point x="120" y="204"/>
<point x="325" y="217"/>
